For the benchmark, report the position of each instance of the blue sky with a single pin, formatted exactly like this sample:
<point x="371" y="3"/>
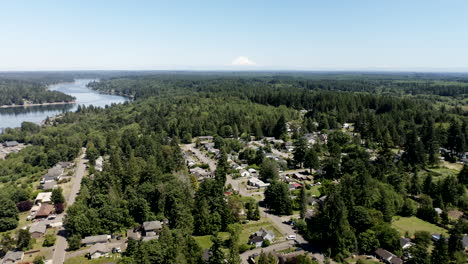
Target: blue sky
<point x="209" y="35"/>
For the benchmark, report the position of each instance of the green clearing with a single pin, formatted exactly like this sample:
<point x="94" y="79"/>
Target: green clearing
<point x="314" y="191"/>
<point x="83" y="260"/>
<point x="413" y="224"/>
<point x="205" y="241"/>
<point x="363" y="259"/>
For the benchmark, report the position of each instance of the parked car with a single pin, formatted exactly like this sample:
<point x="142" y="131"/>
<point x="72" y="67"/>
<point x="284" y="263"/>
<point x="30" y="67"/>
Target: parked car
<point x="291" y="237"/>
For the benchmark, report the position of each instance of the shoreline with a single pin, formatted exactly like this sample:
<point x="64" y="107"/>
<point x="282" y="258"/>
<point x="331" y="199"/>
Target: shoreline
<point x="29" y="105"/>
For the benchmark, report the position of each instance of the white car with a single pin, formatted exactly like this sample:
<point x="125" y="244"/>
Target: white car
<point x="291" y="237"/>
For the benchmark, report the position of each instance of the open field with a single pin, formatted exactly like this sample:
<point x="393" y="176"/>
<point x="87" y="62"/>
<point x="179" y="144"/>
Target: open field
<point x="413" y="224"/>
<point x="205" y="241"/>
<point x="84" y="260"/>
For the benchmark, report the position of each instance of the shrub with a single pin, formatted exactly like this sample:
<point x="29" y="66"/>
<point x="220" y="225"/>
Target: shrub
<point x="24" y="206"/>
<point x="49" y="240"/>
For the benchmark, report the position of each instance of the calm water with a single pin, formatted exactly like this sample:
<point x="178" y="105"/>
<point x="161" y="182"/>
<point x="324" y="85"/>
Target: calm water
<point x="13" y="117"/>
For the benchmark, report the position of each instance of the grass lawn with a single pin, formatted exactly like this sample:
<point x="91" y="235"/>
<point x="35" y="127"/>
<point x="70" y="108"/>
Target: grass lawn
<point x="314" y="191"/>
<point x="205" y="241"/>
<point x="413" y="224"/>
<point x="83" y="260"/>
<point x="365" y="261"/>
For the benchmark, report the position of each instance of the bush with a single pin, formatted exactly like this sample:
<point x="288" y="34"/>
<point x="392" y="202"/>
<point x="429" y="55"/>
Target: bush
<point x="59" y="208"/>
<point x="74" y="242"/>
<point x="39" y="260"/>
<point x="49" y="240"/>
<point x="266" y="243"/>
<point x="245" y="247"/>
<point x="24" y="206"/>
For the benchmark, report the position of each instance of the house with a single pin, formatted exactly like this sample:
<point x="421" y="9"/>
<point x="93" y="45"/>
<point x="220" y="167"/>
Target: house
<point x="406" y="243"/>
<point x="92" y="240"/>
<point x="133" y="234"/>
<point x="258" y="237"/>
<point x="257" y="183"/>
<point x="37" y="230"/>
<point x="49" y="185"/>
<point x="201" y="173"/>
<point x="99" y="163"/>
<point x="10" y="144"/>
<point x="244" y="173"/>
<point x="148" y="238"/>
<point x="294" y="186"/>
<point x="465" y="242"/>
<point x="64" y="164"/>
<point x="205" y="138"/>
<point x="44" y="211"/>
<point x="206" y="255"/>
<point x="152" y="228"/>
<point x="43" y="197"/>
<point x="12" y="257"/>
<point x="55" y="171"/>
<point x="256" y="240"/>
<point x="387" y="257"/>
<point x="99" y="250"/>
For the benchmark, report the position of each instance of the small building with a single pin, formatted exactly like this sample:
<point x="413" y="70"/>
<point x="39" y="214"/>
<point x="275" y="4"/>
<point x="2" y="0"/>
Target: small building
<point x="92" y="240"/>
<point x="99" y="163"/>
<point x="152" y="228"/>
<point x="257" y="183"/>
<point x="49" y="185"/>
<point x="406" y="243"/>
<point x="205" y="138"/>
<point x="10" y="144"/>
<point x="206" y="255"/>
<point x="244" y="173"/>
<point x="44" y="211"/>
<point x="12" y="257"/>
<point x="387" y="257"/>
<point x="37" y="230"/>
<point x="99" y="250"/>
<point x="64" y="164"/>
<point x="201" y="173"/>
<point x="133" y="234"/>
<point x="465" y="242"/>
<point x="43" y="197"/>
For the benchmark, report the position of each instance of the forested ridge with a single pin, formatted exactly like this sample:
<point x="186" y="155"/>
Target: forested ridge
<point x="146" y="177"/>
<point x="18" y="92"/>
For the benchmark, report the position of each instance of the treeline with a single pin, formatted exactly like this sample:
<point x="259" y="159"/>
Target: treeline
<point x="399" y="85"/>
<point x="16" y="92"/>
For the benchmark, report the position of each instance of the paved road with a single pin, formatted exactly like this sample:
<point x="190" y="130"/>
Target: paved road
<point x="276" y="220"/>
<point x="61" y="244"/>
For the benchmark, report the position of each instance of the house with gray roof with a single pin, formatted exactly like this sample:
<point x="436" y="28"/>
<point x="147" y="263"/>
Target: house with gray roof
<point x="99" y="250"/>
<point x="91" y="240"/>
<point x="37" y="230"/>
<point x="12" y="257"/>
<point x="10" y="144"/>
<point x="152" y="228"/>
